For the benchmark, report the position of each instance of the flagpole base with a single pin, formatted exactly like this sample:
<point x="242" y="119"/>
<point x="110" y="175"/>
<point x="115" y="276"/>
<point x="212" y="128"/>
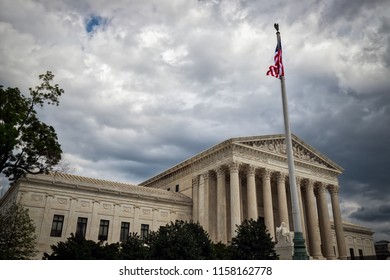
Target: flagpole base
<point x="300" y="252"/>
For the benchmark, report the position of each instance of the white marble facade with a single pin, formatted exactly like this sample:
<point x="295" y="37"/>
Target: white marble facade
<point x="247" y="177"/>
<point x="238" y="179"/>
<point x="75" y="199"/>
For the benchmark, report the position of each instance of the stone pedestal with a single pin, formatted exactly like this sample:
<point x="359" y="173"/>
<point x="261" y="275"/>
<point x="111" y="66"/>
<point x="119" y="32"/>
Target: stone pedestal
<point x="285" y="251"/>
<point x="285" y="246"/>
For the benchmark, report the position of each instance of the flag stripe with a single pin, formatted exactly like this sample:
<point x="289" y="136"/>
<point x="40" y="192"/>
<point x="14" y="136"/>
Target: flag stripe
<point x="277" y="70"/>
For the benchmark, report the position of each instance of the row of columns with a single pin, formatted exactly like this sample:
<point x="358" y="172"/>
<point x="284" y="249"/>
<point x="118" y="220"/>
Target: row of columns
<point x="314" y="194"/>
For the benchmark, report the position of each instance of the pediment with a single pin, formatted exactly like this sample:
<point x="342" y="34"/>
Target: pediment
<point x="275" y="145"/>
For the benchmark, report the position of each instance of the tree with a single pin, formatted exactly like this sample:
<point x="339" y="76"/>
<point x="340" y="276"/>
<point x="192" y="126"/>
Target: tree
<point x="134" y="248"/>
<point x="75" y="248"/>
<point x="17" y="234"/>
<point x="180" y="241"/>
<point x="252" y="242"/>
<point x="28" y="145"/>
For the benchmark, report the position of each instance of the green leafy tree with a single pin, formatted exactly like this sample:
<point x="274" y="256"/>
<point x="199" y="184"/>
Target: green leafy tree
<point x="28" y="145"/>
<point x="17" y="234"/>
<point x="134" y="248"/>
<point x="221" y="251"/>
<point x="180" y="241"/>
<point x="252" y="242"/>
<point x="75" y="248"/>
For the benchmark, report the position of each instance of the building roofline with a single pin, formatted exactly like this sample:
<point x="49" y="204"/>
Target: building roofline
<point x="237" y="140"/>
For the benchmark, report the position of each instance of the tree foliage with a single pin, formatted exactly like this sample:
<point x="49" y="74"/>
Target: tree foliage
<point x="28" y="145"/>
<point x="180" y="241"/>
<point x="75" y="248"/>
<point x="176" y="241"/>
<point x="134" y="248"/>
<point x="252" y="242"/>
<point x="17" y="234"/>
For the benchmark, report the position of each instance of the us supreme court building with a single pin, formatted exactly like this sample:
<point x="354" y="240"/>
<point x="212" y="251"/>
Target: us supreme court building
<point x="240" y="178"/>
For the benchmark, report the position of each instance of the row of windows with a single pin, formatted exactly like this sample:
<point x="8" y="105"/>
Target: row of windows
<point x="81" y="228"/>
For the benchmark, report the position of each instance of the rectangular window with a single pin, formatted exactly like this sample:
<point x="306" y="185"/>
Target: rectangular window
<point x="103" y="230"/>
<point x="125" y="231"/>
<point x="352" y="253"/>
<point x="144" y="231"/>
<point x="361" y="254"/>
<point x="56" y="227"/>
<point x="81" y="229"/>
<point x="177" y="188"/>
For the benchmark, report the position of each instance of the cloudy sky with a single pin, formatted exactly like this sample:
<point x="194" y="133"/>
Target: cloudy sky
<point x="151" y="83"/>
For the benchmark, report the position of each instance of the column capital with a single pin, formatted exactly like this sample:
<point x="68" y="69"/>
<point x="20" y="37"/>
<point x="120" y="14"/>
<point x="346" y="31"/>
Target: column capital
<point x="195" y="181"/>
<point x="266" y="173"/>
<point x="251" y="169"/>
<point x="309" y="184"/>
<point x="333" y="189"/>
<point x="205" y="175"/>
<point x="220" y="171"/>
<point x="281" y="176"/>
<point x="319" y="188"/>
<point x="234" y="166"/>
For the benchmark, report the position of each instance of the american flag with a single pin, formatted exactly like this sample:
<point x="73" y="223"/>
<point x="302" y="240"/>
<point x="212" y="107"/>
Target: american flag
<point x="277" y="70"/>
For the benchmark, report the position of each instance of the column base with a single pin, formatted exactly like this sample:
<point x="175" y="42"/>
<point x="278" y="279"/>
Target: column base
<point x="300" y="252"/>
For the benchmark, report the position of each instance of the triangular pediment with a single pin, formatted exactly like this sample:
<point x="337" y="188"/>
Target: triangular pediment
<point x="275" y="145"/>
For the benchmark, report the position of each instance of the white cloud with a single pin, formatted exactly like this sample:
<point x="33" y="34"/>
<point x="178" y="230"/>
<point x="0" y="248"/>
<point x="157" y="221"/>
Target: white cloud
<point x="164" y="80"/>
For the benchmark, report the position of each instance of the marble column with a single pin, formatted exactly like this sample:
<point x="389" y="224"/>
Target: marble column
<point x="47" y="218"/>
<point x="282" y="199"/>
<point x="221" y="205"/>
<point x="251" y="193"/>
<point x="195" y="199"/>
<point x="324" y="220"/>
<point x="204" y="201"/>
<point x="72" y="218"/>
<point x="235" y="215"/>
<point x="95" y="222"/>
<point x="312" y="221"/>
<point x="267" y="202"/>
<point x="338" y="222"/>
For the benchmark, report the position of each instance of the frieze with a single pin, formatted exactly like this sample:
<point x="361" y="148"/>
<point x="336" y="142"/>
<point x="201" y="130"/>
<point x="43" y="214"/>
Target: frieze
<point x="106" y="206"/>
<point x="127" y="209"/>
<point x="278" y="146"/>
<point x="62" y="200"/>
<point x="36" y="197"/>
<point x="85" y="203"/>
<point x="195" y="167"/>
<point x="248" y="153"/>
<point x="164" y="214"/>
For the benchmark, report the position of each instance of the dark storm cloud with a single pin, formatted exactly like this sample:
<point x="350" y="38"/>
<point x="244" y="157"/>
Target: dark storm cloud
<point x="166" y="80"/>
<point x="372" y="213"/>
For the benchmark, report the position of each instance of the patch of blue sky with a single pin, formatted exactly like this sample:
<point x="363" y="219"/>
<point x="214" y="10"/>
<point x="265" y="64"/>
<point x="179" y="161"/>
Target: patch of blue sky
<point x="94" y="22"/>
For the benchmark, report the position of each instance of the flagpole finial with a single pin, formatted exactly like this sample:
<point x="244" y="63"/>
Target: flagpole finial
<point x="276" y="25"/>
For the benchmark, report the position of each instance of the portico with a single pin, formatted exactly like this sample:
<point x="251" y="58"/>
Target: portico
<point x="247" y="177"/>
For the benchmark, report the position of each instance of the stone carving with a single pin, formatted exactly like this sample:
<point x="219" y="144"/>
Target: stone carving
<point x="127" y="209"/>
<point x="283" y="234"/>
<point x="35" y="197"/>
<point x="107" y="206"/>
<point x="85" y="203"/>
<point x="278" y="146"/>
<point x="62" y="200"/>
<point x="164" y="214"/>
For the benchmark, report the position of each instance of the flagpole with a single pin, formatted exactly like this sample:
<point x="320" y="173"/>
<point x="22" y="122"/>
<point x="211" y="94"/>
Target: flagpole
<point x="299" y="241"/>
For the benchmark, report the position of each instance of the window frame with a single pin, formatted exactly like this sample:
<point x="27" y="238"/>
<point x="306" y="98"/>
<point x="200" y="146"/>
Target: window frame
<point x="103" y="230"/>
<point x="125" y="231"/>
<point x="81" y="227"/>
<point x="57" y="225"/>
<point x="144" y="231"/>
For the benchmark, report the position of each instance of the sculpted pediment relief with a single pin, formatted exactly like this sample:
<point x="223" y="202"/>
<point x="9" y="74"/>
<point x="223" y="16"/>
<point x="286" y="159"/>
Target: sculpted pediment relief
<point x="301" y="152"/>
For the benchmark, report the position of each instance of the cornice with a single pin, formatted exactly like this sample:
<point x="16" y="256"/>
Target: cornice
<point x="114" y="189"/>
